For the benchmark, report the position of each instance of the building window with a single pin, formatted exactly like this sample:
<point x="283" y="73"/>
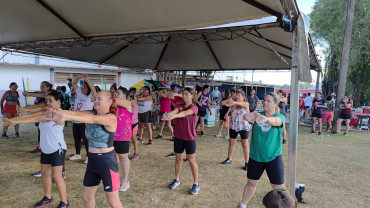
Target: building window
<point x="229" y="78"/>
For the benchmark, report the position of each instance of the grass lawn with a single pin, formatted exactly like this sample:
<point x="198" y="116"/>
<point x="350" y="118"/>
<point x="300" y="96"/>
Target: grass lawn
<point x="335" y="169"/>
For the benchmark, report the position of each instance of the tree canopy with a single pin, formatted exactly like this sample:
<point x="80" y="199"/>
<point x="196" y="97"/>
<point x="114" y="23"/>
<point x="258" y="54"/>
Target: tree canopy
<point x="327" y="25"/>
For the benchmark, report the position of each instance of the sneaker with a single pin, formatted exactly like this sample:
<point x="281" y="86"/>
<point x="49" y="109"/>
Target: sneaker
<point x="44" y="201"/>
<point x="239" y="206"/>
<point x="246" y="167"/>
<point x="345" y="134"/>
<point x="202" y="133"/>
<point x="4" y="136"/>
<point x="312" y="132"/>
<point x="150" y="142"/>
<point x="86" y="161"/>
<point x="227" y="161"/>
<point x="140" y="140"/>
<point x="36" y="150"/>
<point x="284" y="141"/>
<point x="194" y="190"/>
<point x="16" y="135"/>
<point x="171" y="155"/>
<point x="227" y="136"/>
<point x="37" y="174"/>
<point x="75" y="157"/>
<point x="319" y="133"/>
<point x="174" y="184"/>
<point x="335" y="133"/>
<point x="135" y="156"/>
<point x="159" y="136"/>
<point x="63" y="205"/>
<point x="125" y="186"/>
<point x="64" y="175"/>
<point x="218" y="135"/>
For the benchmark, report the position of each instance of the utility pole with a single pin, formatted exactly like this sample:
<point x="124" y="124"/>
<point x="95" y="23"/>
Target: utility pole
<point x="344" y="59"/>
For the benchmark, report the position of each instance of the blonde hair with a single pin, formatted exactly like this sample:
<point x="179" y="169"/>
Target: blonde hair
<point x="276" y="99"/>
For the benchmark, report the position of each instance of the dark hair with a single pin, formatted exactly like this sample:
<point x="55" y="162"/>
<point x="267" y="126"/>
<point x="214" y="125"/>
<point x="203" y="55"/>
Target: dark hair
<point x="114" y="87"/>
<point x="205" y="87"/>
<point x="232" y="91"/>
<point x="11" y="84"/>
<point x="57" y="96"/>
<point x="173" y="86"/>
<point x="124" y="91"/>
<point x="227" y="94"/>
<point x="88" y="88"/>
<point x="328" y="98"/>
<point x="198" y="88"/>
<point x="63" y="88"/>
<point x="280" y="91"/>
<point x="309" y="94"/>
<point x="148" y="88"/>
<point x="279" y="198"/>
<point x="155" y="88"/>
<point x="191" y="91"/>
<point x="48" y="85"/>
<point x="97" y="89"/>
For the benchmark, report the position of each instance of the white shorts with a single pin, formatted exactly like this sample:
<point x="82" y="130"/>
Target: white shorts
<point x="300" y="114"/>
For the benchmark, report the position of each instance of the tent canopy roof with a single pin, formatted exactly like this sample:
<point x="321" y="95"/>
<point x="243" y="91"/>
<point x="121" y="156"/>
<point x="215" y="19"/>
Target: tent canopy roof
<point x="151" y="34"/>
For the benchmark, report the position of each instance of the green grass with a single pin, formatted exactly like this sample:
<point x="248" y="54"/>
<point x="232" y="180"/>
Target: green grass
<point x="335" y="169"/>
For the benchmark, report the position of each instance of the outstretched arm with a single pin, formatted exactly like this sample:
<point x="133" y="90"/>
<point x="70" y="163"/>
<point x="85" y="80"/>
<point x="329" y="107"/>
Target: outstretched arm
<point x="32" y="108"/>
<point x="109" y="121"/>
<point x="34" y="94"/>
<point x="174" y="114"/>
<point x="273" y="121"/>
<point x="124" y="103"/>
<point x="30" y="118"/>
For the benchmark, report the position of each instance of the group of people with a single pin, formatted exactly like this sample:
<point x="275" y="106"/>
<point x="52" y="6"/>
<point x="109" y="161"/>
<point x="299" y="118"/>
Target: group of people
<point x="107" y="121"/>
<point x="322" y="111"/>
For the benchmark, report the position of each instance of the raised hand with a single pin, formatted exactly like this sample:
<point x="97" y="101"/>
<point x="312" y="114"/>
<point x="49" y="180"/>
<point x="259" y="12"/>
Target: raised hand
<point x="25" y="93"/>
<point x="57" y="117"/>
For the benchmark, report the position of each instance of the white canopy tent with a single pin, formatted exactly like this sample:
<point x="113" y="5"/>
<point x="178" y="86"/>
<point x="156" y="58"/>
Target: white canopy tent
<point x="160" y="35"/>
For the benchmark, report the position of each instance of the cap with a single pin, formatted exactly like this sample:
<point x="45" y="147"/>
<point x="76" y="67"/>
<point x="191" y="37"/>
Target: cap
<point x="333" y="94"/>
<point x="304" y="94"/>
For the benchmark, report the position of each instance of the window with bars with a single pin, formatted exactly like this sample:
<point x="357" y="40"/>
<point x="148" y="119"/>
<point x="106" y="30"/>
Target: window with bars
<point x="97" y="79"/>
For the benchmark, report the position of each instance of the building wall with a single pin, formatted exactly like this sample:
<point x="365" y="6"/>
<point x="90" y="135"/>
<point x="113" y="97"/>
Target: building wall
<point x="130" y="79"/>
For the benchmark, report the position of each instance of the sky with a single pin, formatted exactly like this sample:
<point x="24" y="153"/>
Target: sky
<point x="282" y="77"/>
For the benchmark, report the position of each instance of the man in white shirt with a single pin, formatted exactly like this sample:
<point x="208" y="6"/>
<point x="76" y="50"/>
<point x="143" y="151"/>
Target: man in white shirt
<point x="216" y="95"/>
<point x="308" y="104"/>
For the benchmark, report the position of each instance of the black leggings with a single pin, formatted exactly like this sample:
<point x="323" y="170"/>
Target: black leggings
<point x="78" y="133"/>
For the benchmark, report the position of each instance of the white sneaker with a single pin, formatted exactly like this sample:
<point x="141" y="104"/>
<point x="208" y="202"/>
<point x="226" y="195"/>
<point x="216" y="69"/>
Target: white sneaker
<point x="75" y="157"/>
<point x="218" y="135"/>
<point x="124" y="186"/>
<point x="87" y="160"/>
<point x="227" y="136"/>
<point x="154" y="128"/>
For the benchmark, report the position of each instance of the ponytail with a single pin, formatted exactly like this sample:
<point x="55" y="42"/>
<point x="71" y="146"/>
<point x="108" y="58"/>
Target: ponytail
<point x="276" y="98"/>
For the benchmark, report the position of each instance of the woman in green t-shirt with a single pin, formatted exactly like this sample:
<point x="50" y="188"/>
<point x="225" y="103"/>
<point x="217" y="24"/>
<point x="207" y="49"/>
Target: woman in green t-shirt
<point x="265" y="147"/>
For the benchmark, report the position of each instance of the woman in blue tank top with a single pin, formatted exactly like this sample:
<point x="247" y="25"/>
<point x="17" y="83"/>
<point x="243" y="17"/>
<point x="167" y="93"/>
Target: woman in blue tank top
<point x="100" y="130"/>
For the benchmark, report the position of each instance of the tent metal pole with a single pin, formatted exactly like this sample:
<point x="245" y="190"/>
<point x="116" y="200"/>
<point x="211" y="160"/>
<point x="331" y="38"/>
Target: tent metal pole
<point x="317" y="82"/>
<point x="293" y="121"/>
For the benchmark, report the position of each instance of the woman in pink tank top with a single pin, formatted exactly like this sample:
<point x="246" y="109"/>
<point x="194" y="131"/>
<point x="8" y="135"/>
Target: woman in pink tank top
<point x="123" y="134"/>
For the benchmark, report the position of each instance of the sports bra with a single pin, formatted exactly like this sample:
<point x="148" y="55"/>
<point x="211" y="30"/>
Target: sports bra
<point x="98" y="137"/>
<point x="11" y="97"/>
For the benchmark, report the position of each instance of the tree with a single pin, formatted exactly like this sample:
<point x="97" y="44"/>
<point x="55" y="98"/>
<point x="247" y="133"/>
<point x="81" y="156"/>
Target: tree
<point x="327" y="24"/>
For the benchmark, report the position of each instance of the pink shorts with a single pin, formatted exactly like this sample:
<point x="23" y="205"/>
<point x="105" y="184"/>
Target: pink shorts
<point x="327" y="116"/>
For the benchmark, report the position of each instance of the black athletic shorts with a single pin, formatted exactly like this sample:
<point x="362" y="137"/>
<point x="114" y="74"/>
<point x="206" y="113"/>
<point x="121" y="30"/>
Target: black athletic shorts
<point x="134" y="125"/>
<point x="243" y="134"/>
<point x="53" y="159"/>
<point x="222" y="114"/>
<point x="274" y="170"/>
<point x="317" y="115"/>
<point x="145" y="117"/>
<point x="345" y="116"/>
<point x="102" y="166"/>
<point x="202" y="113"/>
<point x="180" y="145"/>
<point x="121" y="147"/>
